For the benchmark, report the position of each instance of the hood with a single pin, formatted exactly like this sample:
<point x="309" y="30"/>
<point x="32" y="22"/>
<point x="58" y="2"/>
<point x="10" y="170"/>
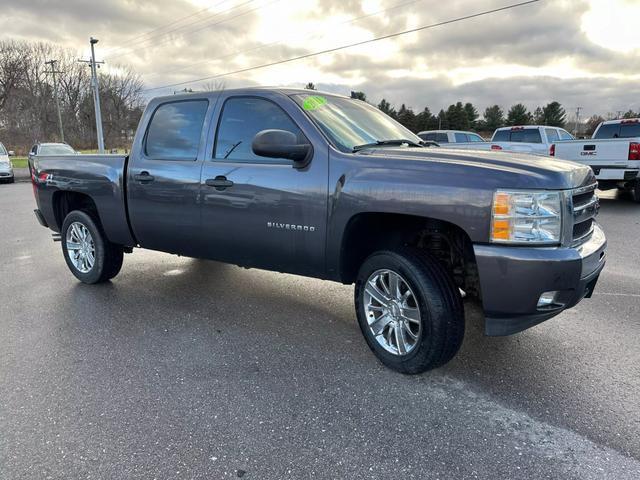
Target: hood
<point x="507" y="169"/>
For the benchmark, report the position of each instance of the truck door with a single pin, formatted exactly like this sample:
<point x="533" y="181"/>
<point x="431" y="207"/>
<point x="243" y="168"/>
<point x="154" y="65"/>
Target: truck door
<point x="163" y="179"/>
<point x="258" y="211"/>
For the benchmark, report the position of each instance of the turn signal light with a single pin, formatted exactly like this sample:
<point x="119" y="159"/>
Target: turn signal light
<point x="552" y="150"/>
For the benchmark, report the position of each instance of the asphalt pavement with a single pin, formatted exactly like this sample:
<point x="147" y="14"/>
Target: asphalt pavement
<point x="183" y="368"/>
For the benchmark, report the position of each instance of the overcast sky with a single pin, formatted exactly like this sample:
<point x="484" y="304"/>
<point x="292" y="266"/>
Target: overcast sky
<point x="579" y="52"/>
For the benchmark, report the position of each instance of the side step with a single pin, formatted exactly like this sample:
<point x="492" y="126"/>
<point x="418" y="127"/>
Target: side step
<point x="56" y="237"/>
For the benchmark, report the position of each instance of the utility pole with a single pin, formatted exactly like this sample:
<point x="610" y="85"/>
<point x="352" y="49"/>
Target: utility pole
<point x="577" y="120"/>
<point x="52" y="64"/>
<point x="96" y="93"/>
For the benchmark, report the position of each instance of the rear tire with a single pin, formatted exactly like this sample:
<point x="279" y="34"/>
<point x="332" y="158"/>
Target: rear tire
<point x="635" y="191"/>
<point x="89" y="255"/>
<point x="424" y="290"/>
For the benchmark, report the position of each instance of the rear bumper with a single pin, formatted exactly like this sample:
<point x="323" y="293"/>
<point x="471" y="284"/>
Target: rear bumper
<point x="512" y="279"/>
<point x="619" y="174"/>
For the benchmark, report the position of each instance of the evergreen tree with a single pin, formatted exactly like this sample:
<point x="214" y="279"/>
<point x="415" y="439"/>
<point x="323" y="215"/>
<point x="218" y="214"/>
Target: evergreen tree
<point x="493" y="117"/>
<point x="407" y="118"/>
<point x="519" y="115"/>
<point x="426" y="121"/>
<point x="457" y="117"/>
<point x="554" y="115"/>
<point x="310" y="86"/>
<point x="359" y="96"/>
<point x="472" y="114"/>
<point x="538" y="116"/>
<point x="631" y="114"/>
<point x="443" y="122"/>
<point x="386" y="107"/>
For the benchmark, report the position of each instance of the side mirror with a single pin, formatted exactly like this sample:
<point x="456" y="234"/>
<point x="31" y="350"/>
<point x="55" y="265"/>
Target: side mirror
<point x="11" y="153"/>
<point x="281" y="144"/>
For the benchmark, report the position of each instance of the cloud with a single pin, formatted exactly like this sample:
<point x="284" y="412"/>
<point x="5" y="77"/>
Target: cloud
<point x="533" y="54"/>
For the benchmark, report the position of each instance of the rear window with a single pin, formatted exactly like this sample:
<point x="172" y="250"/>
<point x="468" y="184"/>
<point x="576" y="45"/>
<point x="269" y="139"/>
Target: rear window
<point x="628" y="130"/>
<point x="526" y="135"/>
<point x="610" y="130"/>
<point x="442" y="138"/>
<point x="175" y="129"/>
<point x="56" y="150"/>
<point x="428" y="136"/>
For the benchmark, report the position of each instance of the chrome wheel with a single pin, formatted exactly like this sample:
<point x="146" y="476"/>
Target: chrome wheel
<point x="392" y="312"/>
<point x="80" y="247"/>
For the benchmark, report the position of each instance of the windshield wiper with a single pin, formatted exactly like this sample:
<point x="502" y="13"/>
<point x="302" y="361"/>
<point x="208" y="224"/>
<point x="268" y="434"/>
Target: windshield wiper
<point x="377" y="143"/>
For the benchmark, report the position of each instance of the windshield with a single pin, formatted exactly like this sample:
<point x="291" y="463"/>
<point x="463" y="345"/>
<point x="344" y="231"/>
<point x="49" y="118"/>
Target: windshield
<point x="3" y="151"/>
<point x="56" y="150"/>
<point x="351" y="123"/>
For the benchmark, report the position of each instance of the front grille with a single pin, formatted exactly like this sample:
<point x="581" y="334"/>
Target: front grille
<point x="585" y="206"/>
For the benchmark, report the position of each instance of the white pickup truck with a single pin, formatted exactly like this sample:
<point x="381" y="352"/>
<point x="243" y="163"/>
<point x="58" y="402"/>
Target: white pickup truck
<point x="613" y="153"/>
<point x="534" y="139"/>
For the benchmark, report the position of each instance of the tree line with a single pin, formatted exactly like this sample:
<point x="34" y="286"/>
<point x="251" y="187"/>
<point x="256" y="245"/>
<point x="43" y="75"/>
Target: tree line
<point x="465" y="116"/>
<point x="27" y="107"/>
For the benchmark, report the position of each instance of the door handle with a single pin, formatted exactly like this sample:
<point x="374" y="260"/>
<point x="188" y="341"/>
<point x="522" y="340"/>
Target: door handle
<point x="220" y="182"/>
<point x="143" y="177"/>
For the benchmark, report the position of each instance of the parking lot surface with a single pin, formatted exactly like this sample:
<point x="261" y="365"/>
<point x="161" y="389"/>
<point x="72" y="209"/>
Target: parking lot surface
<point x="183" y="368"/>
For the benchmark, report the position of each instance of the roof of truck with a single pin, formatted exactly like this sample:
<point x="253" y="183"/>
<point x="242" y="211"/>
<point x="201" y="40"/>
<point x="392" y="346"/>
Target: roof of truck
<point x="248" y="91"/>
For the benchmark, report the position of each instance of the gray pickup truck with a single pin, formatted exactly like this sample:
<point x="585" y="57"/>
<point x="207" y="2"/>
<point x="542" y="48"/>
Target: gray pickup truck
<point x="325" y="186"/>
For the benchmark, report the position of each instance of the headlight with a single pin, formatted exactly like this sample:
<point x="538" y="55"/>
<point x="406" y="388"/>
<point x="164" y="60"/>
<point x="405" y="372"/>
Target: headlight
<point x="526" y="217"/>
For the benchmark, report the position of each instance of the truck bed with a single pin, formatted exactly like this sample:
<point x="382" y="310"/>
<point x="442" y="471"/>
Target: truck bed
<point x="100" y="176"/>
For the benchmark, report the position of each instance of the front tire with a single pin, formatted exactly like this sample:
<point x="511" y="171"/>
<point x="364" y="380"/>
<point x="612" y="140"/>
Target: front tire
<point x="88" y="253"/>
<point x="409" y="310"/>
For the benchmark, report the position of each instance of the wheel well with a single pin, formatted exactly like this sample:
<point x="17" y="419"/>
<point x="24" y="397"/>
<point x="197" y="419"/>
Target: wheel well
<point x="369" y="232"/>
<point x="65" y="202"/>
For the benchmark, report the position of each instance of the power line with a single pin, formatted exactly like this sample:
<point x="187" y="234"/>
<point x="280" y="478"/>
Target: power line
<point x="191" y="32"/>
<point x="260" y="47"/>
<point x="342" y="47"/>
<point x="161" y="27"/>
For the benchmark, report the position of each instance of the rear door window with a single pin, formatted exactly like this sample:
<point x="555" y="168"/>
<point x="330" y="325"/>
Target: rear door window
<point x="175" y="130"/>
<point x="461" y="137"/>
<point x="475" y="138"/>
<point x="552" y="135"/>
<point x="564" y="135"/>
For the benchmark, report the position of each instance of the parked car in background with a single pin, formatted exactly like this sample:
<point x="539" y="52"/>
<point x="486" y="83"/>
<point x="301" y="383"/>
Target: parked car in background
<point x="330" y="187"/>
<point x="450" y="136"/>
<point x="50" y="149"/>
<point x="534" y="139"/>
<point x="6" y="170"/>
<point x="613" y="154"/>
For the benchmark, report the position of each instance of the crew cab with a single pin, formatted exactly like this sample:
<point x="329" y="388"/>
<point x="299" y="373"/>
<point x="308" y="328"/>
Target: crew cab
<point x="330" y="187"/>
<point x="613" y="153"/>
<point x="450" y="136"/>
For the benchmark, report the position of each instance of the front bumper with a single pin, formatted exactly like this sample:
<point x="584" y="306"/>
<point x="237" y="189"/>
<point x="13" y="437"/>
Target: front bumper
<point x="6" y="174"/>
<point x="513" y="278"/>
